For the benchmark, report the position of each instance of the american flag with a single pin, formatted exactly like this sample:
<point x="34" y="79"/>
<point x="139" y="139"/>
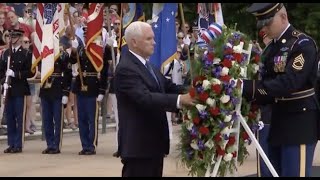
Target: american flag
<point x="36" y="56"/>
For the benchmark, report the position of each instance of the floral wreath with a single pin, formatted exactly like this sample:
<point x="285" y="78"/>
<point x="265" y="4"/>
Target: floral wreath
<point x="205" y="133"/>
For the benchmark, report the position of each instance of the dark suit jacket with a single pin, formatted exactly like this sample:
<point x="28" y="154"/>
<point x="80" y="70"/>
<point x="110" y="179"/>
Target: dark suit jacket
<point x="142" y="105"/>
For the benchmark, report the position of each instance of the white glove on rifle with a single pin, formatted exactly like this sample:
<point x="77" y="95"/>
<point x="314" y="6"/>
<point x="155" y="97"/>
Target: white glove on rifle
<point x="74" y="68"/>
<point x="65" y="99"/>
<point x="75" y="43"/>
<point x="10" y="73"/>
<point x="6" y="86"/>
<point x="100" y="97"/>
<point x="110" y="42"/>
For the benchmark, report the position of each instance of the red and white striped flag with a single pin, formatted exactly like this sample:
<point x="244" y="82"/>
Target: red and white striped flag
<point x="56" y="32"/>
<point x="37" y="40"/>
<point x="94" y="46"/>
<point x="218" y="13"/>
<point x="48" y="40"/>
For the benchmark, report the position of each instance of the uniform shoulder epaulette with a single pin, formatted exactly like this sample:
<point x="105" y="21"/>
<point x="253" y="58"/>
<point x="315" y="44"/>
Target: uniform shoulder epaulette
<point x="301" y="37"/>
<point x="296" y="33"/>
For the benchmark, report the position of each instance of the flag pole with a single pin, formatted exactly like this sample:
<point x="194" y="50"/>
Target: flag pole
<point x="110" y="35"/>
<point x="185" y="33"/>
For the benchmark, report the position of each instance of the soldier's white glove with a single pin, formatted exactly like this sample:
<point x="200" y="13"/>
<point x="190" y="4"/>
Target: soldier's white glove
<point x="186" y="40"/>
<point x="74" y="68"/>
<point x="100" y="97"/>
<point x="64" y="99"/>
<point x="10" y="73"/>
<point x="75" y="43"/>
<point x="6" y="86"/>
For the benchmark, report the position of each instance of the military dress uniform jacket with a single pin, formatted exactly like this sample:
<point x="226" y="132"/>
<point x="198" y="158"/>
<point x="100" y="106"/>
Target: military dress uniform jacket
<point x="20" y="63"/>
<point x="95" y="82"/>
<point x="59" y="83"/>
<point x="292" y="67"/>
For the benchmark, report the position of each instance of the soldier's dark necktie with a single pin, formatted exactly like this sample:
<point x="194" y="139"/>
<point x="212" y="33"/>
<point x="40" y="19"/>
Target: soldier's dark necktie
<point x="148" y="65"/>
<point x="14" y="50"/>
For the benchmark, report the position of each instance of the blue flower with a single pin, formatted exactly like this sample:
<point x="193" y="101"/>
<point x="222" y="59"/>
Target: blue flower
<point x="201" y="145"/>
<point x="203" y="115"/>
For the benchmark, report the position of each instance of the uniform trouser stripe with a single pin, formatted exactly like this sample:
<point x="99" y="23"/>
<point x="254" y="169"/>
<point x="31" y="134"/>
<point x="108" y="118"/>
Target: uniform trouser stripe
<point x="96" y="119"/>
<point x="258" y="159"/>
<point x="61" y="126"/>
<point x="302" y="160"/>
<point x="24" y="118"/>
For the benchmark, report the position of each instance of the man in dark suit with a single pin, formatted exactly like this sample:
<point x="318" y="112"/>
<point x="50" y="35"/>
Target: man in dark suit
<point x="292" y="66"/>
<point x="144" y="95"/>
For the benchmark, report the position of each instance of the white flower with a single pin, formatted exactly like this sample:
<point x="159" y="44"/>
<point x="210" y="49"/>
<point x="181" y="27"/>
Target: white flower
<point x="243" y="72"/>
<point x="233" y="63"/>
<point x="228" y="118"/>
<point x="201" y="107"/>
<point x="215" y="81"/>
<point x="225" y="130"/>
<point x="211" y="102"/>
<point x="189" y="114"/>
<point x="209" y="144"/>
<point x="189" y="125"/>
<point x="194" y="145"/>
<point x="255" y="68"/>
<point x="238" y="49"/>
<point x="225" y="98"/>
<point x="261" y="125"/>
<point x="206" y="84"/>
<point x="227" y="157"/>
<point x="229" y="45"/>
<point x="224" y="71"/>
<point x="216" y="61"/>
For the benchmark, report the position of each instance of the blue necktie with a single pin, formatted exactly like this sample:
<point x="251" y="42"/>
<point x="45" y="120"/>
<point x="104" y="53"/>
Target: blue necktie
<point x="151" y="71"/>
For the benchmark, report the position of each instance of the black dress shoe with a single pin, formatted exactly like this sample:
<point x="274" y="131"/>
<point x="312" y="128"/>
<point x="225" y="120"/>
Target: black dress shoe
<point x="16" y="150"/>
<point x="82" y="152"/>
<point x="54" y="151"/>
<point x="116" y="154"/>
<point x="8" y="150"/>
<point x="46" y="151"/>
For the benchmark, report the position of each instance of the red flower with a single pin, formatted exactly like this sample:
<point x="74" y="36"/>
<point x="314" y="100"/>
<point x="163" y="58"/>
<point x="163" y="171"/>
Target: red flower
<point x="225" y="78"/>
<point x="204" y="130"/>
<point x="227" y="63"/>
<point x="192" y="92"/>
<point x="198" y="79"/>
<point x="245" y="135"/>
<point x="196" y="120"/>
<point x="214" y="111"/>
<point x="220" y="151"/>
<point x="237" y="57"/>
<point x="234" y="154"/>
<point x="210" y="56"/>
<point x="216" y="88"/>
<point x="256" y="58"/>
<point x="203" y="96"/>
<point x="232" y="140"/>
<point x="193" y="136"/>
<point x="254" y="107"/>
<point x="217" y="137"/>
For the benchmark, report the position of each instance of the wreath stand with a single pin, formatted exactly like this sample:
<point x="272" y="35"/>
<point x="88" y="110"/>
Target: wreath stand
<point x="236" y="130"/>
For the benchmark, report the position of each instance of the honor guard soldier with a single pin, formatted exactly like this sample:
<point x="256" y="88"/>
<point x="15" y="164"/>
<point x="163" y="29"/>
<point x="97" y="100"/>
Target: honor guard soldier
<point x="90" y="87"/>
<point x="54" y="96"/>
<point x="15" y="67"/>
<point x="292" y="66"/>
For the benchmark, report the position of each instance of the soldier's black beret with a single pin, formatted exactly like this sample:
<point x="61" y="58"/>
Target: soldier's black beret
<point x="16" y="32"/>
<point x="264" y="12"/>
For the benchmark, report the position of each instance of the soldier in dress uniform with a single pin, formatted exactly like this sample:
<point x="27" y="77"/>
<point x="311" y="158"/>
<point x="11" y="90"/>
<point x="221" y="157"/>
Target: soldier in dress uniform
<point x="54" y="96"/>
<point x="17" y="89"/>
<point x="90" y="87"/>
<point x="292" y="66"/>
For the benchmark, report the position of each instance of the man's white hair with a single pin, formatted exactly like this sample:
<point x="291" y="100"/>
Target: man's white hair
<point x="135" y="30"/>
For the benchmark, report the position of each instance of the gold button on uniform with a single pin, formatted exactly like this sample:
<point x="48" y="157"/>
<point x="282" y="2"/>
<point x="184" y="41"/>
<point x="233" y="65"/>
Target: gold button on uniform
<point x="304" y="109"/>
